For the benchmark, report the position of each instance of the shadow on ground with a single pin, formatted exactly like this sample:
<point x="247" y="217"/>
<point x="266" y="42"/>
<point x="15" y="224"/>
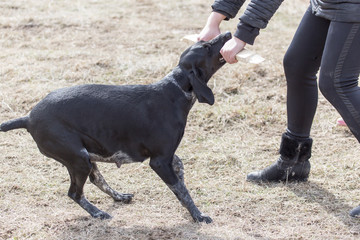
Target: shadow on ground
<point x="332" y="204"/>
<point x="88" y="228"/>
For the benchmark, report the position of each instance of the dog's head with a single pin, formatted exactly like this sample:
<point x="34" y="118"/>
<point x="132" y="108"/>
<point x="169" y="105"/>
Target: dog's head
<point x="200" y="62"/>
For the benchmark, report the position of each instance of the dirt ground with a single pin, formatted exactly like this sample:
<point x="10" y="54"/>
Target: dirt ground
<point x="45" y="45"/>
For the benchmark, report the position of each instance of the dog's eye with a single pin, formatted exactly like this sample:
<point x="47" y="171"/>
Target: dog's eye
<point x="207" y="46"/>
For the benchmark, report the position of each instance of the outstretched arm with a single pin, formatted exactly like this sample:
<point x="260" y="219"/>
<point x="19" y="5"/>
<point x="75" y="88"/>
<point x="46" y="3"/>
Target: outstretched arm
<point x="212" y="27"/>
<point x="222" y="10"/>
<point x="256" y="17"/>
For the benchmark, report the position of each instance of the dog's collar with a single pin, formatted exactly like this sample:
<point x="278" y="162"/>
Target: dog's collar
<point x="189" y="94"/>
<point x="181" y="83"/>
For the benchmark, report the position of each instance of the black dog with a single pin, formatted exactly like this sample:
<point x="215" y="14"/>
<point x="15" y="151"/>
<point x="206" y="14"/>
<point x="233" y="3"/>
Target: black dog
<point x="82" y="125"/>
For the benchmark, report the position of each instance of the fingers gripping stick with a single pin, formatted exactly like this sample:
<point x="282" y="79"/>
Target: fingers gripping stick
<point x="244" y="55"/>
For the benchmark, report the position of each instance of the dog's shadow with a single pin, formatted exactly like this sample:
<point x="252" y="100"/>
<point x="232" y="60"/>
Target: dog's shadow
<point x="88" y="228"/>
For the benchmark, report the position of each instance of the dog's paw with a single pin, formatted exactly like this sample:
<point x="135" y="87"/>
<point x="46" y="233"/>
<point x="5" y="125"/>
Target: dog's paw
<point x="203" y="218"/>
<point x="101" y="215"/>
<point x="125" y="198"/>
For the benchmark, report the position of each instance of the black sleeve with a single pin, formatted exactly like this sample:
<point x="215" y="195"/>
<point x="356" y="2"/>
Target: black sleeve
<point x="256" y="17"/>
<point x="228" y="8"/>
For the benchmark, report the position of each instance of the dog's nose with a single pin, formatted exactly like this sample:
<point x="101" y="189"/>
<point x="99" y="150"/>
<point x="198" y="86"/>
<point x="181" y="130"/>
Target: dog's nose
<point x="227" y="36"/>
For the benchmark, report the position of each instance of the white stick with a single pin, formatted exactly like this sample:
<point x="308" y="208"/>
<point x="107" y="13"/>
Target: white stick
<point x="244" y="55"/>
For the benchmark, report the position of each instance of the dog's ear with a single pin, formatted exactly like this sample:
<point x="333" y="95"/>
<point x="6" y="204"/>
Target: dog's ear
<point x="202" y="92"/>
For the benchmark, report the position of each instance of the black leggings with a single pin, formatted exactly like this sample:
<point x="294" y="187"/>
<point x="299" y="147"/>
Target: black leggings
<point x="334" y="48"/>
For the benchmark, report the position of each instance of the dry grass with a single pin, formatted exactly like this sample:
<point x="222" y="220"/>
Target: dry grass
<point x="47" y="44"/>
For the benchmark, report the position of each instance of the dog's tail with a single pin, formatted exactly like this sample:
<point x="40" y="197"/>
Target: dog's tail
<point x="14" y="124"/>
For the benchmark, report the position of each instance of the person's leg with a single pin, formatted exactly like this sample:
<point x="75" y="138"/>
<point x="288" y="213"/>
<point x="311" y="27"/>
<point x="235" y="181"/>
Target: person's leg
<point x="339" y="74"/>
<point x="301" y="64"/>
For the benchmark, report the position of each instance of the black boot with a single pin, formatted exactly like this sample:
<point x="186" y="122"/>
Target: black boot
<point x="355" y="212"/>
<point x="292" y="165"/>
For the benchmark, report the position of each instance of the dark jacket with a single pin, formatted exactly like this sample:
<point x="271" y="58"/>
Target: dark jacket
<point x="337" y="10"/>
<point x="259" y="12"/>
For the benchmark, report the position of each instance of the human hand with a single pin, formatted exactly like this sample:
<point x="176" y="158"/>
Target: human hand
<point x="212" y="27"/>
<point x="208" y="33"/>
<point x="231" y="48"/>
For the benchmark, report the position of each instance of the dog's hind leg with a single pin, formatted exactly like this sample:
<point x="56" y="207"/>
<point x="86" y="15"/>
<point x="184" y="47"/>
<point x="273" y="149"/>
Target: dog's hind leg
<point x="67" y="148"/>
<point x="98" y="180"/>
<point x="79" y="170"/>
<point x="164" y="167"/>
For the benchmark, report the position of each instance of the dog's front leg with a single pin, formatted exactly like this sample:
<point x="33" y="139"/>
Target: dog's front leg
<point x="179" y="189"/>
<point x="178" y="167"/>
<point x="164" y="167"/>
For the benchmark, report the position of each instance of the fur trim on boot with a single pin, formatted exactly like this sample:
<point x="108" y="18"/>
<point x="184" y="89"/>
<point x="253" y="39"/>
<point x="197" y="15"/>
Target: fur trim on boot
<point x="292" y="165"/>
